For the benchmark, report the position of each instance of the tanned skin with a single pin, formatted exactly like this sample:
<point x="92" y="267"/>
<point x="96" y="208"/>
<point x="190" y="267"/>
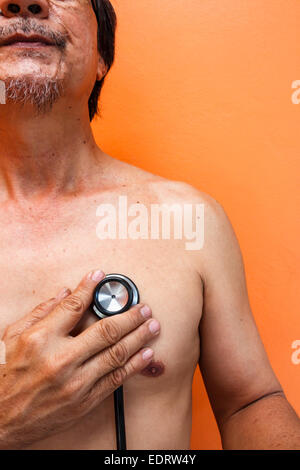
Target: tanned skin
<point x="53" y="177"/>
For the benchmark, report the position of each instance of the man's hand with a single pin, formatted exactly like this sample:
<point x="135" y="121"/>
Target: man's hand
<point x="51" y="379"/>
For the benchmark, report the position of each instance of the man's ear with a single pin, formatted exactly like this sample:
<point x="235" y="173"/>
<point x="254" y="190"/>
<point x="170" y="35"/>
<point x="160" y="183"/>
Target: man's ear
<point x="101" y="69"/>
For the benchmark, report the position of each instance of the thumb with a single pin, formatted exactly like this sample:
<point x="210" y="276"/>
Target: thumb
<point x="37" y="314"/>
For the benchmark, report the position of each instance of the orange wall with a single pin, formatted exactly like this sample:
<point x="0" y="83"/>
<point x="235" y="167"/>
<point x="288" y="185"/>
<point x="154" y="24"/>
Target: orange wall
<point x="201" y="92"/>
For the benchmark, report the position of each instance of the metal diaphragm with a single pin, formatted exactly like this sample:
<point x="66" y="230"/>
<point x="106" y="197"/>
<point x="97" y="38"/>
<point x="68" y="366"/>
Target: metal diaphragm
<point x="115" y="294"/>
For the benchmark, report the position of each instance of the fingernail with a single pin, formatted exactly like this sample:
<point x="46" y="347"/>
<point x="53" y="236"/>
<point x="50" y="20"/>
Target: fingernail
<point x="97" y="275"/>
<point x="63" y="293"/>
<point x="147" y="354"/>
<point x="154" y="327"/>
<point x="145" y="311"/>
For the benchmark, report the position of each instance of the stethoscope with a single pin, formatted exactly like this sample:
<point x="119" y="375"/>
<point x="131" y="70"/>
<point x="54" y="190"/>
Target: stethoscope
<point x="116" y="294"/>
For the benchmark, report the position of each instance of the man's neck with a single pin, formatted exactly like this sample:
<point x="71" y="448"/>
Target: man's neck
<point x="51" y="155"/>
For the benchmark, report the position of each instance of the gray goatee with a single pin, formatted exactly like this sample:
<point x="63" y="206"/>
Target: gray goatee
<point x="41" y="92"/>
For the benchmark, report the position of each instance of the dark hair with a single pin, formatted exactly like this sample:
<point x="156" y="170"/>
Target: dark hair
<point x="107" y="23"/>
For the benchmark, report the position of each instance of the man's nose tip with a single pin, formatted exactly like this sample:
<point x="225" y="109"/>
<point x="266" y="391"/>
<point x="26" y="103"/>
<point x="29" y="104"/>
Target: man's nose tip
<point x="34" y="8"/>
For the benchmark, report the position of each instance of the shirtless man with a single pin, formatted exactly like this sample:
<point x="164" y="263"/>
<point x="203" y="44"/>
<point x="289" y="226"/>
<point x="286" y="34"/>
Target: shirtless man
<point x="53" y="178"/>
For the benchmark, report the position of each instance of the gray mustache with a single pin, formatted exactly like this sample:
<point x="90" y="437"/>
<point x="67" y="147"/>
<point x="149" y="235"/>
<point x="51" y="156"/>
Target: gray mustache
<point x="29" y="26"/>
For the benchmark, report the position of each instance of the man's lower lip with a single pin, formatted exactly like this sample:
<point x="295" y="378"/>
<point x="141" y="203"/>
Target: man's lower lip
<point x="28" y="44"/>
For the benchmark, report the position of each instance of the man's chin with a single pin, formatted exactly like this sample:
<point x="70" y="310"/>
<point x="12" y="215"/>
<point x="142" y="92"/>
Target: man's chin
<point x="39" y="92"/>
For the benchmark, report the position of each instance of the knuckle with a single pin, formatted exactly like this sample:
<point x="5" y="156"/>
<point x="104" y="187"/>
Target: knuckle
<point x="61" y="362"/>
<point x="143" y="334"/>
<point x="84" y="290"/>
<point x="71" y="390"/>
<point x="144" y="330"/>
<point x="109" y="331"/>
<point x="38" y="311"/>
<point x="55" y="369"/>
<point x="117" y="377"/>
<point x="118" y="355"/>
<point x="85" y="403"/>
<point x="135" y="315"/>
<point x="132" y="368"/>
<point x="50" y="371"/>
<point x="73" y="303"/>
<point x="41" y="306"/>
<point x="33" y="338"/>
<point x="66" y="359"/>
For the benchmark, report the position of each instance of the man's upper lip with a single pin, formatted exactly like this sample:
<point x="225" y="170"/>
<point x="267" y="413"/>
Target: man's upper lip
<point x="23" y="38"/>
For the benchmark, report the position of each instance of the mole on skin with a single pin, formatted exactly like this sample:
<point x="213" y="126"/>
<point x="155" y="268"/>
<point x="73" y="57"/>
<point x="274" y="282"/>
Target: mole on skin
<point x="154" y="369"/>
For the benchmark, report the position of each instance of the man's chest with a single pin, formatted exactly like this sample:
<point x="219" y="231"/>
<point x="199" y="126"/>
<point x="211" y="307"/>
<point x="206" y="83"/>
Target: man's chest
<point x="32" y="273"/>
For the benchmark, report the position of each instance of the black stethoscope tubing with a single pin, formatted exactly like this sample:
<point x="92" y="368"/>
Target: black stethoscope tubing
<point x="132" y="298"/>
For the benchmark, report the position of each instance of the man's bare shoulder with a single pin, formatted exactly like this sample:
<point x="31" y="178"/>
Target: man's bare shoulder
<point x="156" y="189"/>
<point x="220" y="238"/>
<point x="180" y="192"/>
<point x="160" y="188"/>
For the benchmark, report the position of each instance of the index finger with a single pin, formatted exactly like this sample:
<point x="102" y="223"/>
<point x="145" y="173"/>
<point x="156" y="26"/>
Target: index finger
<point x="69" y="311"/>
<point x="108" y="331"/>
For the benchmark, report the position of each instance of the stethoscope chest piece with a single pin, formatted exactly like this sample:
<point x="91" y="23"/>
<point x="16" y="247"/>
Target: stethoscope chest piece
<point x="115" y="294"/>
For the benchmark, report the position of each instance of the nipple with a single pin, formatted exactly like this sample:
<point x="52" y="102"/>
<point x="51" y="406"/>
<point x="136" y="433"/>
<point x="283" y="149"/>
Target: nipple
<point x="154" y="369"/>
